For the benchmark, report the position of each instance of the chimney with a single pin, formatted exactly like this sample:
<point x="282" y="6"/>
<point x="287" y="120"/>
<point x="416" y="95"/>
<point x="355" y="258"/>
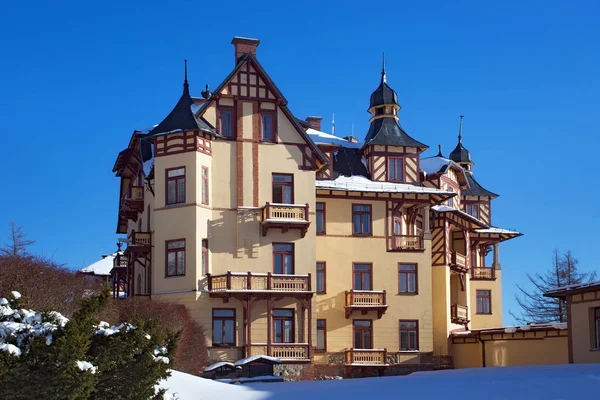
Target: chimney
<point x="244" y="45"/>
<point x="314" y="122"/>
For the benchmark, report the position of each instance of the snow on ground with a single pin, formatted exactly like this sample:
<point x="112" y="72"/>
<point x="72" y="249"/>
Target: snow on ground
<point x="516" y="383"/>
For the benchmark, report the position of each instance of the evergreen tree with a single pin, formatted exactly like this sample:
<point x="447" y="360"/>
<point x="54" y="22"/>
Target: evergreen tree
<point x="535" y="308"/>
<point x="46" y="356"/>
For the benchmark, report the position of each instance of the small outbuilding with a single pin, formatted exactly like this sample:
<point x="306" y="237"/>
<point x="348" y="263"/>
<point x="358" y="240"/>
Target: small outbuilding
<point x="221" y="370"/>
<point x="256" y="366"/>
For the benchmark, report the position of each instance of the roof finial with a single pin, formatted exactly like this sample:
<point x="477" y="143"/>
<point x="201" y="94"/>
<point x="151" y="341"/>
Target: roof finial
<point x="440" y="151"/>
<point x="383" y="77"/>
<point x="185" y="81"/>
<point x="460" y="129"/>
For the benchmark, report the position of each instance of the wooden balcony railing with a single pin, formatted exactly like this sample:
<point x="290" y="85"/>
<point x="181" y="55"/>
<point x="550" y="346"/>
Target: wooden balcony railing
<point x="284" y="217"/>
<point x="364" y="357"/>
<point x="250" y="281"/>
<point x="458" y="261"/>
<point x="120" y="261"/>
<point x="483" y="273"/>
<point x="407" y="242"/>
<point x="288" y="212"/>
<point x="140" y="238"/>
<point x="366" y="300"/>
<point x="459" y="314"/>
<point x="284" y="351"/>
<point x="134" y="193"/>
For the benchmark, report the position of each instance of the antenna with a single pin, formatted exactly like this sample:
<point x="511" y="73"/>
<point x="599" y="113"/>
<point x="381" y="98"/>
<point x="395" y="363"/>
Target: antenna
<point x="352" y="129"/>
<point x="460" y="128"/>
<point x="383" y="77"/>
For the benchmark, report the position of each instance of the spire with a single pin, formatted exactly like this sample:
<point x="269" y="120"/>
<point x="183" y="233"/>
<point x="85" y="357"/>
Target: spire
<point x="333" y="125"/>
<point x="440" y="151"/>
<point x="460" y="128"/>
<point x="383" y="76"/>
<point x="186" y="86"/>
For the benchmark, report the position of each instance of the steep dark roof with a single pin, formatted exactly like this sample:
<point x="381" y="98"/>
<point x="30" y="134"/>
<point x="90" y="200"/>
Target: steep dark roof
<point x="460" y="154"/>
<point x="181" y="118"/>
<point x="348" y="162"/>
<point x="387" y="131"/>
<point x="383" y="94"/>
<point x="475" y="189"/>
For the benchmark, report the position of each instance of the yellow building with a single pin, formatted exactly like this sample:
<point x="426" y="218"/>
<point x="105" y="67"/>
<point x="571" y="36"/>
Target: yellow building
<point x="288" y="241"/>
<point x="583" y="319"/>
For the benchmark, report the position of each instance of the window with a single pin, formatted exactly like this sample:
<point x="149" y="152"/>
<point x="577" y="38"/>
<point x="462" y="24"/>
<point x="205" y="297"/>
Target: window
<point x="407" y="278"/>
<point x="409" y="335"/>
<point x="451" y="199"/>
<point x="175" y="185"/>
<point x="320" y="277"/>
<point x="395" y="169"/>
<point x="283" y="188"/>
<point x="320" y="218"/>
<point x="223" y="326"/>
<point x="597" y="327"/>
<point x="175" y="257"/>
<point x="283" y="325"/>
<point x="204" y="256"/>
<point x="484" y="301"/>
<point x="225" y="121"/>
<point x="283" y="258"/>
<point x="268" y="133"/>
<point x="473" y="210"/>
<point x="321" y="335"/>
<point x="361" y="219"/>
<point x="204" y="185"/>
<point x="362" y="276"/>
<point x="363" y="334"/>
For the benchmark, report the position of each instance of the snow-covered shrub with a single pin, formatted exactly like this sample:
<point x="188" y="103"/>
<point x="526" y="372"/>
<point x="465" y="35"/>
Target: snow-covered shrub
<point x="47" y="356"/>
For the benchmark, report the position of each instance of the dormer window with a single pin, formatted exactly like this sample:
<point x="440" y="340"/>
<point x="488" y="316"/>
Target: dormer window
<point x="472" y="209"/>
<point x="395" y="169"/>
<point x="379" y="111"/>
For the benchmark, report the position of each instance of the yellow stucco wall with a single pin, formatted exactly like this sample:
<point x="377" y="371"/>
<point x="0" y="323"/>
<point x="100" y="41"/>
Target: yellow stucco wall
<point x="485" y="321"/>
<point x="338" y="249"/>
<point x="512" y="352"/>
<point x="583" y="331"/>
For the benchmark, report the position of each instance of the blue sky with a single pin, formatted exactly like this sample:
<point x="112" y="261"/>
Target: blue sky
<point x="76" y="79"/>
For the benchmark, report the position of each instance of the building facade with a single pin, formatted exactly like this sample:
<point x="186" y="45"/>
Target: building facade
<point x="583" y="320"/>
<point x="286" y="241"/>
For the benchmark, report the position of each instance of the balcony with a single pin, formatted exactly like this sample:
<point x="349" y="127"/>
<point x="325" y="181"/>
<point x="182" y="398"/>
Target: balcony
<point x="459" y="314"/>
<point x="134" y="198"/>
<point x="285" y="217"/>
<point x="365" y="301"/>
<point x="285" y="351"/>
<point x="120" y="261"/>
<point x="483" y="274"/>
<point x="406" y="243"/>
<point x="458" y="262"/>
<point x="140" y="239"/>
<point x="241" y="282"/>
<point x="366" y="357"/>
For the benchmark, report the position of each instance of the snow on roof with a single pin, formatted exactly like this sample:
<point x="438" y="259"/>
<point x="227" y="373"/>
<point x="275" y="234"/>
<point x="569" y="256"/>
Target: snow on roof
<point x="218" y="365"/>
<point x="361" y="184"/>
<point x="250" y="359"/>
<point x="513" y="329"/>
<point x="575" y="286"/>
<point x="325" y="138"/>
<point x="443" y="208"/>
<point x="101" y="267"/>
<point x="567" y="381"/>
<point x="433" y="165"/>
<point x="492" y="229"/>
